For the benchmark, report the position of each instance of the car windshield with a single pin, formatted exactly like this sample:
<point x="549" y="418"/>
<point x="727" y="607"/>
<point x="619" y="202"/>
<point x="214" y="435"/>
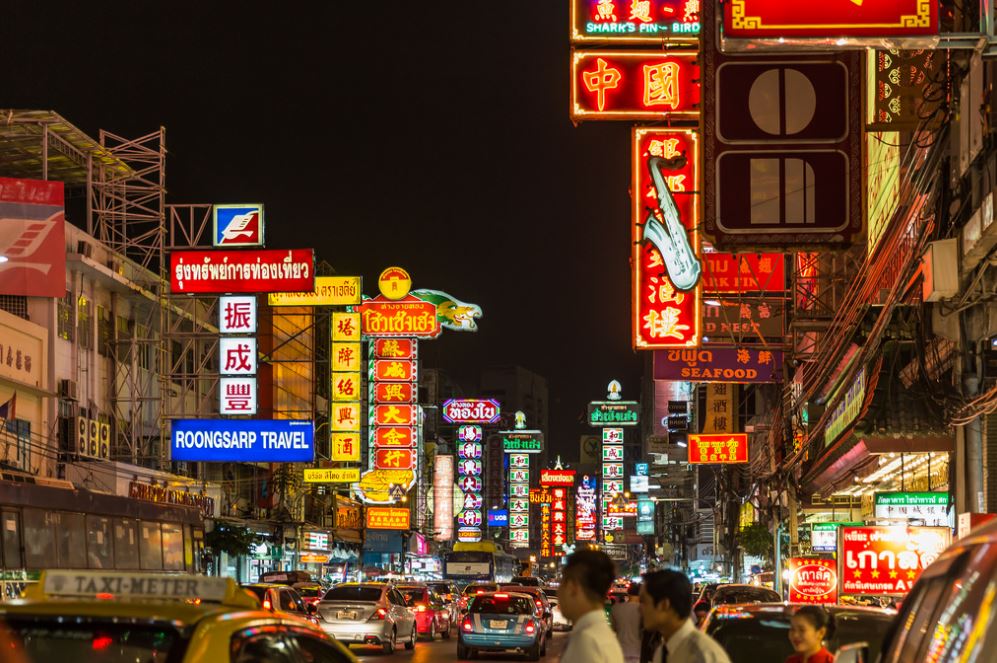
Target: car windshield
<point x="260" y="592"/>
<point x="474" y="589"/>
<point x="353" y="593"/>
<point x="413" y="595"/>
<point x="440" y="588"/>
<point x="309" y="592"/>
<point x="746" y="595"/>
<point x="501" y="605"/>
<point x="43" y="640"/>
<point x="749" y="637"/>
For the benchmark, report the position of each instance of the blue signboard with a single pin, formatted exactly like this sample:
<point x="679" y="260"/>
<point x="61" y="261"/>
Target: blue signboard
<point x="642" y="469"/>
<point x="498" y="518"/>
<point x="243" y="440"/>
<point x="238" y="225"/>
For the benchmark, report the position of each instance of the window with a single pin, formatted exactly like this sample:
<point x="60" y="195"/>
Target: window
<point x="126" y="544"/>
<point x="84" y="325"/>
<point x="312" y="649"/>
<point x="21" y="430"/>
<point x="172" y="547"/>
<point x="66" y="318"/>
<point x="45" y="638"/>
<point x="286" y="601"/>
<point x="100" y="550"/>
<point x="39" y="539"/>
<point x="122" y="340"/>
<point x="105" y="332"/>
<point x="15" y="305"/>
<point x="71" y="540"/>
<point x="501" y="605"/>
<point x="261" y="644"/>
<point x="353" y="593"/>
<point x="11" y="540"/>
<point x="151" y="546"/>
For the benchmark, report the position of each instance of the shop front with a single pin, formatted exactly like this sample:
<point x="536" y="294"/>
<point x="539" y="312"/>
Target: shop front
<point x="382" y="552"/>
<point x="25" y="399"/>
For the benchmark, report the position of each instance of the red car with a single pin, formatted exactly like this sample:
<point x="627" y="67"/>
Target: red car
<point x="432" y="615"/>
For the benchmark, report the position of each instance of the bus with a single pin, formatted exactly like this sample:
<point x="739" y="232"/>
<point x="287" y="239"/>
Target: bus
<point x="482" y="562"/>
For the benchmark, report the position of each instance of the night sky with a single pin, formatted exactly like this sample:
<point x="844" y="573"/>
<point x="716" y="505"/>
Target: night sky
<point x="432" y="135"/>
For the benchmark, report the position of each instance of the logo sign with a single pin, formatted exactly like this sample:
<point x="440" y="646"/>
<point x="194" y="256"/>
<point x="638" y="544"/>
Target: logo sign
<point x="394" y="392"/>
<point x="470" y="450"/>
<point x="498" y="518"/>
<point x="744" y="272"/>
<point x="626" y="22"/>
<point x="613" y="413"/>
<point x="394" y="415"/>
<point x="929" y="508"/>
<point x="237" y="315"/>
<point x="394" y="459"/>
<point x="718" y="449"/>
<point x="812" y="580"/>
<point x="410" y="317"/>
<point x="237" y="396"/>
<point x="664" y="224"/>
<point x="329" y="291"/>
<point x="525" y="442"/>
<point x="469" y="433"/>
<point x="888" y="560"/>
<point x="379" y="517"/>
<point x="394" y="348"/>
<point x="824" y="536"/>
<point x="744" y="321"/>
<point x="721" y="364"/>
<point x="469" y="534"/>
<point x="237" y="225"/>
<point x="557" y="477"/>
<point x="394" y="370"/>
<point x="259" y="270"/>
<point x="471" y="410"/>
<point x="333" y="475"/>
<point x="32" y="238"/>
<point x="377" y="485"/>
<point x="242" y="440"/>
<point x="394" y="283"/>
<point x="775" y="19"/>
<point x="634" y="85"/>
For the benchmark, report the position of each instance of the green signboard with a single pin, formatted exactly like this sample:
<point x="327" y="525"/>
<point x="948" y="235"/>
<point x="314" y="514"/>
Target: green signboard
<point x="912" y="499"/>
<point x="613" y="413"/>
<point x="523" y="442"/>
<point x="824" y="536"/>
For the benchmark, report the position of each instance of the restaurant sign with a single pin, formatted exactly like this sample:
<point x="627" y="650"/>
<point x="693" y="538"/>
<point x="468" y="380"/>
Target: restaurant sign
<point x="718" y="449"/>
<point x="744" y="320"/>
<point x="523" y="442"/>
<point x="887" y="560"/>
<point x="744" y="272"/>
<point x="930" y="508"/>
<point x="720" y="364"/>
<point x="779" y="19"/>
<point x="253" y="270"/>
<point x="620" y="22"/>
<point x="634" y="85"/>
<point x="329" y="291"/>
<point x="812" y="580"/>
<point x="387" y="518"/>
<point x="613" y="413"/>
<point x="407" y="317"/>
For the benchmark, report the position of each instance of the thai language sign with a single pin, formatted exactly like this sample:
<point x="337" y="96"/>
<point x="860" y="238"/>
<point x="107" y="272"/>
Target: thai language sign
<point x="887" y="560"/>
<point x="734" y="321"/>
<point x="332" y="475"/>
<point x="471" y="410"/>
<point x="720" y="449"/>
<point x="380" y="517"/>
<point x="847" y="410"/>
<point x="557" y="477"/>
<point x="634" y="85"/>
<point x="614" y="413"/>
<point x="409" y="316"/>
<point x="929" y="508"/>
<point x="526" y="442"/>
<point x="242" y="440"/>
<point x="721" y="364"/>
<point x="254" y="270"/>
<point x="813" y="580"/>
<point x="329" y="291"/>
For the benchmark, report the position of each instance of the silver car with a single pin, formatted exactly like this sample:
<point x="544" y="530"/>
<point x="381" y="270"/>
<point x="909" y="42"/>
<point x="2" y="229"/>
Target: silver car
<point x="368" y="613"/>
<point x="561" y="623"/>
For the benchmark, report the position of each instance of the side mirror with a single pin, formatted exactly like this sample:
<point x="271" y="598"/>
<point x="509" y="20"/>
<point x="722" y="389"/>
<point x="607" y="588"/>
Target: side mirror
<point x="856" y="652"/>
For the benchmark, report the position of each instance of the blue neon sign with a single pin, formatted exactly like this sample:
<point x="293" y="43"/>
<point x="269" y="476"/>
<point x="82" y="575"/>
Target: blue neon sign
<point x="243" y="440"/>
<point x="498" y="518"/>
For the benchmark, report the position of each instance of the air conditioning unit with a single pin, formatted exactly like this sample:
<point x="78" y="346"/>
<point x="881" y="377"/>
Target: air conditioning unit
<point x="85" y="249"/>
<point x="940" y="267"/>
<point x="67" y="390"/>
<point x="104" y="441"/>
<point x="93" y="437"/>
<point x="81" y="435"/>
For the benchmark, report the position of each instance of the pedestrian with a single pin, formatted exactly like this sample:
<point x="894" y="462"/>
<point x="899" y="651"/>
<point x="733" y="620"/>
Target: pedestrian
<point x="666" y="604"/>
<point x="626" y="621"/>
<point x="809" y="628"/>
<point x="586" y="578"/>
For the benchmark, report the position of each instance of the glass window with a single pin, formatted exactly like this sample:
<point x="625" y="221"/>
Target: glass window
<point x="286" y="598"/>
<point x="84" y="324"/>
<point x="501" y="605"/>
<point x="917" y="619"/>
<point x="312" y="649"/>
<point x="261" y="644"/>
<point x="100" y="550"/>
<point x="413" y="596"/>
<point x="151" y="546"/>
<point x="66" y="323"/>
<point x="11" y="540"/>
<point x="58" y="639"/>
<point x="21" y="430"/>
<point x="125" y="544"/>
<point x="71" y="540"/>
<point x="39" y="539"/>
<point x="105" y="332"/>
<point x="353" y="593"/>
<point x="172" y="547"/>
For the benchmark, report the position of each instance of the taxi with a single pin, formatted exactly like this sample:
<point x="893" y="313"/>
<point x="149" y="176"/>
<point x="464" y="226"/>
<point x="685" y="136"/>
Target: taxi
<point x="121" y="616"/>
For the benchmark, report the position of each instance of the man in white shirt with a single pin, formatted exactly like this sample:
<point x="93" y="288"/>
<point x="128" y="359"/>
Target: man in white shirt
<point x="586" y="579"/>
<point x="665" y="604"/>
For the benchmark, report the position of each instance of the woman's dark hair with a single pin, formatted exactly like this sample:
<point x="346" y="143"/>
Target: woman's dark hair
<point x="819" y="618"/>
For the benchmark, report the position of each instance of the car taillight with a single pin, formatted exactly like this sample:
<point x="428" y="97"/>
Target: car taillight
<point x="531" y="627"/>
<point x="381" y="613"/>
<point x="466" y="625"/>
<point x="420" y="608"/>
<point x="539" y="603"/>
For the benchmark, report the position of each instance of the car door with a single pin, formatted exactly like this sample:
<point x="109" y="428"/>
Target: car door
<point x="264" y="644"/>
<point x="405" y="615"/>
<point x="312" y="648"/>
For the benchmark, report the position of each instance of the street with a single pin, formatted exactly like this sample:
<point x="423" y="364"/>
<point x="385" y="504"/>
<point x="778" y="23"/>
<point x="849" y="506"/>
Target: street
<point x="446" y="650"/>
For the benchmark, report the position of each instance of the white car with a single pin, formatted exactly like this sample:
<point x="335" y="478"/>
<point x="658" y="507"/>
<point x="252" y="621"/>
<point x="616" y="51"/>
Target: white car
<point x="561" y="623"/>
<point x="368" y="613"/>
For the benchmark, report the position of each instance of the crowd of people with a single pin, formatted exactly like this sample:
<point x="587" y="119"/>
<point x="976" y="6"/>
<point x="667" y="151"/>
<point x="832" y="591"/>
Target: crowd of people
<point x="654" y="624"/>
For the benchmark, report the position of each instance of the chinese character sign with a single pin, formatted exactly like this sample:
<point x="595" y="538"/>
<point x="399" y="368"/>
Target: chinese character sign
<point x="635" y="21"/>
<point x="237" y="315"/>
<point x="469" y="452"/>
<point x="393" y="418"/>
<point x="586" y="509"/>
<point x="519" y="508"/>
<point x="720" y="417"/>
<point x="558" y="520"/>
<point x="634" y="85"/>
<point x="718" y="449"/>
<point x="238" y="395"/>
<point x="237" y="355"/>
<point x="545" y="530"/>
<point x="665" y="238"/>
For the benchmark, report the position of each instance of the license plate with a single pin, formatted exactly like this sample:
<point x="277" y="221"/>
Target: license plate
<point x="346" y="614"/>
<point x="497" y="623"/>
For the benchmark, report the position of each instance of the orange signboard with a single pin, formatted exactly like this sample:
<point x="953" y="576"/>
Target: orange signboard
<point x="394" y="459"/>
<point x="394" y="370"/>
<point x="718" y="449"/>
<point x="393" y="392"/>
<point x="381" y="517"/>
<point x="409" y="317"/>
<point x="394" y="348"/>
<point x="813" y="580"/>
<point x="394" y="415"/>
<point x="394" y="436"/>
<point x="887" y="560"/>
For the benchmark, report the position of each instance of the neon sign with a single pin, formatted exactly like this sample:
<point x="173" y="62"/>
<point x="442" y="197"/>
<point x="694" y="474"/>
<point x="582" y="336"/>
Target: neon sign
<point x="666" y="265"/>
<point x="634" y="85"/>
<point x="634" y="21"/>
<point x="778" y="18"/>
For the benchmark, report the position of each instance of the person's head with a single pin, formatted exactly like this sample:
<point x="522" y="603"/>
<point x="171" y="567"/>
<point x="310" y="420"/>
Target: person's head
<point x="587" y="577"/>
<point x="809" y="627"/>
<point x="633" y="592"/>
<point x="665" y="601"/>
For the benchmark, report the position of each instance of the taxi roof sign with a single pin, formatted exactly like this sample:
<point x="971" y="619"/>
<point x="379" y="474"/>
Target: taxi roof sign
<point x="121" y="585"/>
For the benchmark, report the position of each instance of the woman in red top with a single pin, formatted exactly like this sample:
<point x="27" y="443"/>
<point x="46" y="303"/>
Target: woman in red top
<point x="809" y="627"/>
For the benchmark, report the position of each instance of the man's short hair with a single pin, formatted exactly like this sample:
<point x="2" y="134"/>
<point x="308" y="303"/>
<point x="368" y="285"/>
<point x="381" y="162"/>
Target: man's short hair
<point x="671" y="585"/>
<point x="593" y="571"/>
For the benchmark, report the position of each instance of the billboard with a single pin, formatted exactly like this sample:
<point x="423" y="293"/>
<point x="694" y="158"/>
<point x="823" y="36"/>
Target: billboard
<point x="557" y="478"/>
<point x="928" y="508"/>
<point x="406" y="317"/>
<point x="332" y="475"/>
<point x="719" y="364"/>
<point x="32" y="238"/>
<point x="887" y="560"/>
<point x="621" y="22"/>
<point x="443" y="476"/>
<point x="665" y="259"/>
<point x="744" y="272"/>
<point x="775" y="19"/>
<point x="328" y="291"/>
<point x="812" y="580"/>
<point x="718" y="449"/>
<point x="614" y="413"/>
<point x="634" y="85"/>
<point x="381" y="517"/>
<point x="252" y="270"/>
<point x="237" y="225"/>
<point x="242" y="440"/>
<point x="471" y="411"/>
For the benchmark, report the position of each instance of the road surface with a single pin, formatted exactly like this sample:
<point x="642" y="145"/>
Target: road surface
<point x="446" y="650"/>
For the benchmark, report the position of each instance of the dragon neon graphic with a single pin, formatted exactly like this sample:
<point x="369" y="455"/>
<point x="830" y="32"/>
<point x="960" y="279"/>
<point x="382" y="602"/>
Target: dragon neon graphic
<point x="452" y="313"/>
<point x="670" y="238"/>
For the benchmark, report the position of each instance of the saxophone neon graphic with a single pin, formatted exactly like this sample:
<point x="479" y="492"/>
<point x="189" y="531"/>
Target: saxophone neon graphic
<point x="671" y="239"/>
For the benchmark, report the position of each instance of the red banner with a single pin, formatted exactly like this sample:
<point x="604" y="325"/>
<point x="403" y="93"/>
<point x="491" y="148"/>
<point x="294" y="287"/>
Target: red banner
<point x="32" y="238"/>
<point x="382" y="517"/>
<point x="888" y="560"/>
<point x="394" y="436"/>
<point x="394" y="370"/>
<point x="718" y="449"/>
<point x="666" y="266"/>
<point x="394" y="348"/>
<point x="634" y="85"/>
<point x="255" y="270"/>
<point x="395" y="415"/>
<point x="394" y="459"/>
<point x="393" y="392"/>
<point x="829" y="18"/>
<point x="744" y="272"/>
<point x="557" y="477"/>
<point x="410" y="317"/>
<point x="813" y="580"/>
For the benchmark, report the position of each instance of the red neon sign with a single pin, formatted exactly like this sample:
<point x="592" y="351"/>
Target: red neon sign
<point x="633" y="85"/>
<point x="718" y="449"/>
<point x="259" y="270"/>
<point x="394" y="370"/>
<point x="744" y="272"/>
<point x="557" y="478"/>
<point x="393" y="392"/>
<point x="394" y="415"/>
<point x="409" y="317"/>
<point x="394" y="436"/>
<point x="829" y="18"/>
<point x="813" y="580"/>
<point x="394" y="459"/>
<point x="394" y="348"/>
<point x="664" y="316"/>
